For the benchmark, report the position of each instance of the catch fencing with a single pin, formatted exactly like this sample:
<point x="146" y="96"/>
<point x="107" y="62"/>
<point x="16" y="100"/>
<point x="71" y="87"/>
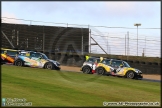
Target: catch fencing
<point x="101" y="40"/>
<point x="69" y="43"/>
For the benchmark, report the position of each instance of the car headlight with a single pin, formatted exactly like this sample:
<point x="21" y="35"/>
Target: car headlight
<point x="56" y="63"/>
<point x="137" y="71"/>
<point x="84" y="64"/>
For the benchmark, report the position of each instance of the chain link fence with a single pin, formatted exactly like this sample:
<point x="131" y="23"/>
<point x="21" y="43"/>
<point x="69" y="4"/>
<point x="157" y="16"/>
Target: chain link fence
<point x="114" y="43"/>
<point x="68" y="43"/>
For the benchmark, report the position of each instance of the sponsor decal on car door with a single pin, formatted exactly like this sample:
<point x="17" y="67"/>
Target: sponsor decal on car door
<point x="121" y="72"/>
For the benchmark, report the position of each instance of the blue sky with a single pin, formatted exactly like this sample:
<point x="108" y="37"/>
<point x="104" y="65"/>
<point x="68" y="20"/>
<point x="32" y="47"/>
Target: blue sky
<point x="110" y="14"/>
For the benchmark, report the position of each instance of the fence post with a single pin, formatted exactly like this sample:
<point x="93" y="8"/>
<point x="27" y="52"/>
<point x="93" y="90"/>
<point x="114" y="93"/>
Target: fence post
<point x="89" y="40"/>
<point x="107" y="43"/>
<point x="30" y="22"/>
<point x="82" y="40"/>
<point x="125" y="45"/>
<point x="27" y="42"/>
<point x="43" y="39"/>
<point x="145" y="45"/>
<point x="128" y="46"/>
<point x="17" y="38"/>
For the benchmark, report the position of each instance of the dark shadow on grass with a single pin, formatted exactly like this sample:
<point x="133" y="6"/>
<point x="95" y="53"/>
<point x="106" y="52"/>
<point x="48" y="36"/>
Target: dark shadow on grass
<point x="61" y="73"/>
<point x="94" y="78"/>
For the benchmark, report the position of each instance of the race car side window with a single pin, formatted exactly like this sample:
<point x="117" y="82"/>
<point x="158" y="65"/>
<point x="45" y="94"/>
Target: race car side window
<point x="103" y="61"/>
<point x="12" y="53"/>
<point x="98" y="60"/>
<point x="126" y="64"/>
<point x="37" y="55"/>
<point x="23" y="54"/>
<point x="32" y="54"/>
<point x="107" y="62"/>
<point x="43" y="56"/>
<point x="90" y="60"/>
<point x="116" y="63"/>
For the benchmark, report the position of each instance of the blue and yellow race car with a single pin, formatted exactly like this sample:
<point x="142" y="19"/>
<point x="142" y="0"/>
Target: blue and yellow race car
<point x="36" y="59"/>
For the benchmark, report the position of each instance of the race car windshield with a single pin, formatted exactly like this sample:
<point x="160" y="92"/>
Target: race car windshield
<point x="2" y="51"/>
<point x="126" y="64"/>
<point x="44" y="56"/>
<point x="98" y="60"/>
<point x="107" y="62"/>
<point x="38" y="55"/>
<point x="11" y="53"/>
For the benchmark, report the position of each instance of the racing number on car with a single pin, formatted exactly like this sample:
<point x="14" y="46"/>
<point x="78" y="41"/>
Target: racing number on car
<point x="37" y="61"/>
<point x="31" y="61"/>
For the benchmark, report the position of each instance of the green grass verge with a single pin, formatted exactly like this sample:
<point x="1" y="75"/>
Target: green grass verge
<point x="56" y="88"/>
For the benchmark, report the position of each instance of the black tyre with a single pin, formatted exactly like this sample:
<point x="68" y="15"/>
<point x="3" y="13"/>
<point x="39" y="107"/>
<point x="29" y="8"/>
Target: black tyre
<point x="49" y="65"/>
<point x="130" y="75"/>
<point x="87" y="70"/>
<point x="100" y="71"/>
<point x="19" y="63"/>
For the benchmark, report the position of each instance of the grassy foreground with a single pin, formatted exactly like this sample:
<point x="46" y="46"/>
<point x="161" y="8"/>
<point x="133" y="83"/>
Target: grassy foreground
<point x="56" y="88"/>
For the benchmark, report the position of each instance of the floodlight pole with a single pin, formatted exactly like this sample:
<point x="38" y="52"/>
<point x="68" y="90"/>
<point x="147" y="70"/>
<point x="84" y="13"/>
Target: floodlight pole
<point x="137" y="24"/>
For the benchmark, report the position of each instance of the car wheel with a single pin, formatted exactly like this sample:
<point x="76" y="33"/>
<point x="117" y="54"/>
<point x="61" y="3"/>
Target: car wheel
<point x="100" y="71"/>
<point x="87" y="70"/>
<point x="19" y="63"/>
<point x="49" y="66"/>
<point x="130" y="74"/>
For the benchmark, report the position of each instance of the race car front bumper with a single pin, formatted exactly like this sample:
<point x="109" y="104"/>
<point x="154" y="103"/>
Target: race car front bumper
<point x="57" y="68"/>
<point x="139" y="76"/>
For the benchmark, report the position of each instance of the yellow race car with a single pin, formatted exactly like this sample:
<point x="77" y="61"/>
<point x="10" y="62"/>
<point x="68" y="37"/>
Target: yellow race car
<point x="116" y="67"/>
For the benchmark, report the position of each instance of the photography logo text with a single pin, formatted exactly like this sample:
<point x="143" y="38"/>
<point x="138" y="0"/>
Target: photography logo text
<point x="15" y="102"/>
